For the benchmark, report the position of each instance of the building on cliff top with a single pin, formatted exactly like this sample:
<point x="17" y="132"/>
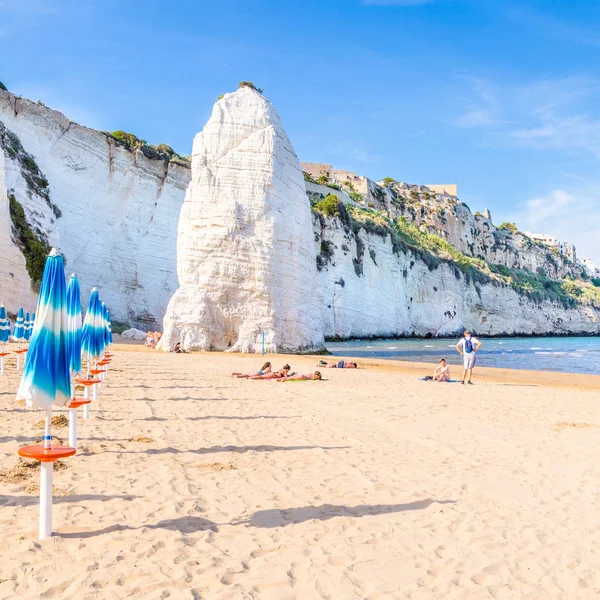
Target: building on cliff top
<point x="564" y="248"/>
<point x="448" y="189"/>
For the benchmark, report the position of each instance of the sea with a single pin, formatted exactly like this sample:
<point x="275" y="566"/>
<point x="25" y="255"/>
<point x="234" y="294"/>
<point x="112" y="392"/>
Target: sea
<point x="558" y="354"/>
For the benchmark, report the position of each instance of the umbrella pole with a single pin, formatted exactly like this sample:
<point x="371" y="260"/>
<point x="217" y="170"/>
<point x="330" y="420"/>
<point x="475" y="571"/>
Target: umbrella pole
<point x="19" y="360"/>
<point x="2" y="366"/>
<point x="46" y="469"/>
<point x="73" y="420"/>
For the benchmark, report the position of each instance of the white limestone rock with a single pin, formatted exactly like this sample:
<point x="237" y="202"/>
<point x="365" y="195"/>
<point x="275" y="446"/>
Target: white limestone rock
<point x="245" y="252"/>
<point x="396" y="294"/>
<point x="119" y="212"/>
<point x="133" y="334"/>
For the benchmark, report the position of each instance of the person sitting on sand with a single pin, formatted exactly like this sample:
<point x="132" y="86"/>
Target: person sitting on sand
<point x="266" y="368"/>
<point x="442" y="373"/>
<point x="316" y="376"/>
<point x="178" y="349"/>
<point x="342" y="364"/>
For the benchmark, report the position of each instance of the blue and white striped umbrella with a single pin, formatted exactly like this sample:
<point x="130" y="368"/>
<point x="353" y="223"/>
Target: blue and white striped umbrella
<point x="110" y="338"/>
<point x="27" y="326"/>
<point x="92" y="338"/>
<point x="19" y="330"/>
<point x="45" y="379"/>
<point x="4" y="325"/>
<point x="74" y="324"/>
<point x="106" y="341"/>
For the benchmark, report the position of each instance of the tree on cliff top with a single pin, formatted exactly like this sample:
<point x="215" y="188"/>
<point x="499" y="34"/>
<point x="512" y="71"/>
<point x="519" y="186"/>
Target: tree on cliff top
<point x="3" y="87"/>
<point x="250" y="84"/>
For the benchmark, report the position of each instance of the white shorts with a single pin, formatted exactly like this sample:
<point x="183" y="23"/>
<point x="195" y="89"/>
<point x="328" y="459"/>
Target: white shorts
<point x="469" y="360"/>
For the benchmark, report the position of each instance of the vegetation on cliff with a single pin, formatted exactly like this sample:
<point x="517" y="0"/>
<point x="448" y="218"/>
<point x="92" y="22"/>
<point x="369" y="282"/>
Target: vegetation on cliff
<point x="32" y="243"/>
<point x="250" y="84"/>
<point x="3" y="87"/>
<point x="31" y="173"/>
<point x="433" y="250"/>
<point x="155" y="152"/>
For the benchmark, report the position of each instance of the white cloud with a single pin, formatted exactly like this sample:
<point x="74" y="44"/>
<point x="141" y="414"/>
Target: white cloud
<point x="560" y="114"/>
<point x="572" y="216"/>
<point x="483" y="108"/>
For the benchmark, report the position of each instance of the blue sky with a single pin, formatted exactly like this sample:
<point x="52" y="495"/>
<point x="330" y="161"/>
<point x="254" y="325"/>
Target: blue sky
<point x="502" y="97"/>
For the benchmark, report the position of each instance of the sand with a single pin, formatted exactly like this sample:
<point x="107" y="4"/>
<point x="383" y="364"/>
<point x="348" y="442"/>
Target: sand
<point x="372" y="485"/>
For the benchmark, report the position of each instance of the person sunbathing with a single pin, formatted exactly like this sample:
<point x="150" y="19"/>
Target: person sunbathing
<point x="442" y="373"/>
<point x="266" y="368"/>
<point x="316" y="376"/>
<point x="342" y="364"/>
<point x="283" y="372"/>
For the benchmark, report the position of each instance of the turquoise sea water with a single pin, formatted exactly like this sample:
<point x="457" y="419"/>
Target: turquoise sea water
<point x="561" y="354"/>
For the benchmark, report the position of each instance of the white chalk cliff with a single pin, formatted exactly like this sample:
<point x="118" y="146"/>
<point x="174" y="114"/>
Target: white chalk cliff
<point x="111" y="212"/>
<point x="245" y="245"/>
<point x="247" y="256"/>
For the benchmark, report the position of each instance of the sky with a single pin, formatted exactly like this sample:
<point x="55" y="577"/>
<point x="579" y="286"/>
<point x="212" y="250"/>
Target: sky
<point x="499" y="96"/>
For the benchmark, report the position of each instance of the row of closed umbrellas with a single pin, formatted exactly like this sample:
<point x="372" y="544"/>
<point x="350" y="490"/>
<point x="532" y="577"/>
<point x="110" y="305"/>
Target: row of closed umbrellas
<point x="22" y="329"/>
<point x="59" y="340"/>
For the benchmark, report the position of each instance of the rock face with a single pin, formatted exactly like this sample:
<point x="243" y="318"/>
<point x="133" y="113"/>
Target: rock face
<point x="111" y="212"/>
<point x="133" y="334"/>
<point x="15" y="284"/>
<point x="245" y="251"/>
<point x="396" y="294"/>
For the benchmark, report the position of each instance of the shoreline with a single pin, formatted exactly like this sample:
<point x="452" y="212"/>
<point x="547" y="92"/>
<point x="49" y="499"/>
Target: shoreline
<point x="487" y="375"/>
<point x="458" y="334"/>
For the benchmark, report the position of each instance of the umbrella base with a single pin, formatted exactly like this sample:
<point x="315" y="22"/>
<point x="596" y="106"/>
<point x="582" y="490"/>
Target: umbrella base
<point x="46" y="454"/>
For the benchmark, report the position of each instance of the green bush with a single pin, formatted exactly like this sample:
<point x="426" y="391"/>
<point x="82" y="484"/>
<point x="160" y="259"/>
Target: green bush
<point x="251" y="85"/>
<point x="329" y="206"/>
<point x="3" y="87"/>
<point x="595" y="281"/>
<point x="506" y="226"/>
<point x="34" y="248"/>
<point x="220" y="97"/>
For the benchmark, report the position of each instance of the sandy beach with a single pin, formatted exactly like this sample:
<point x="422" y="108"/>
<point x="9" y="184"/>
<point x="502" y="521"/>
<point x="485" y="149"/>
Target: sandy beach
<point x="371" y="484"/>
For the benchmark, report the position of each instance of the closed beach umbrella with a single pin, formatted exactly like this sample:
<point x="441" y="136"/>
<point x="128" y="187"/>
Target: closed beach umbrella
<point x="93" y="334"/>
<point x="46" y="378"/>
<point x="110" y="338"/>
<point x="74" y="325"/>
<point x="92" y="342"/>
<point x="27" y="327"/>
<point x="74" y="346"/>
<point x="4" y="335"/>
<point x="19" y="329"/>
<point x="19" y="335"/>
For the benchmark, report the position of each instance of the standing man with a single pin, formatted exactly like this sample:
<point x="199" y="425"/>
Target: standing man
<point x="467" y="347"/>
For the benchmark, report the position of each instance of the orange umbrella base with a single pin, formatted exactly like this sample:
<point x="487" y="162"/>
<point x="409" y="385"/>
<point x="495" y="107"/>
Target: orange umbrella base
<point x="87" y="381"/>
<point x="20" y="351"/>
<point x="97" y="371"/>
<point x="78" y="402"/>
<point x="3" y="354"/>
<point x="46" y="455"/>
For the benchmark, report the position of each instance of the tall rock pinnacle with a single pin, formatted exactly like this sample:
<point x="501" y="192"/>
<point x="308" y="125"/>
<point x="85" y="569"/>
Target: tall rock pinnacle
<point x="245" y="253"/>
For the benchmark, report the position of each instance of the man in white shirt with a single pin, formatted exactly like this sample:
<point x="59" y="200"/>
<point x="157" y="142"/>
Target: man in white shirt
<point x="467" y="347"/>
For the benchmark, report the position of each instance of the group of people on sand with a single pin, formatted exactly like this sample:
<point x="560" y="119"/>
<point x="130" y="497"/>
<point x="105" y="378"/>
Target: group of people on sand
<point x="286" y="374"/>
<point x="266" y="373"/>
<point x="152" y="338"/>
<point x="467" y="347"/>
